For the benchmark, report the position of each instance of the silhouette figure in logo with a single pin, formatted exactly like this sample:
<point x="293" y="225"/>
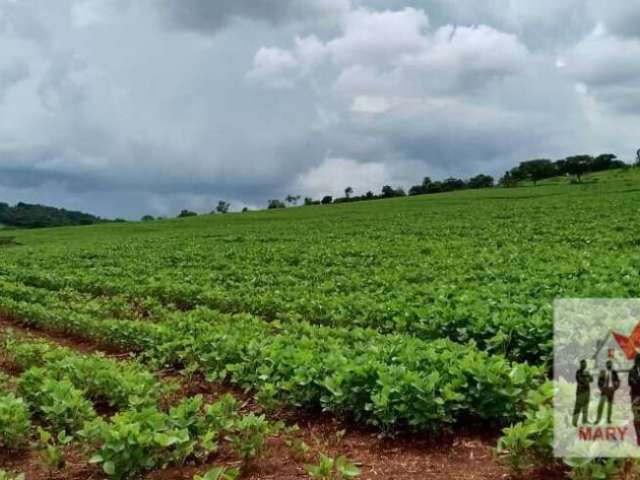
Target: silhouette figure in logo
<point x="608" y="383"/>
<point x="634" y="385"/>
<point x="583" y="394"/>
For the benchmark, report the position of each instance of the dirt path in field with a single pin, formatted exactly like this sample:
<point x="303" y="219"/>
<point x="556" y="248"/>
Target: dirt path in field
<point x="463" y="455"/>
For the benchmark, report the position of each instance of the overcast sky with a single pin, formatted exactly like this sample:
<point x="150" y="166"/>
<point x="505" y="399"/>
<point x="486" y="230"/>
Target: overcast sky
<point x="127" y="107"/>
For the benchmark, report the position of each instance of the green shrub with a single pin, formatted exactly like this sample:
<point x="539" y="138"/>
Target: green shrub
<point x="135" y="441"/>
<point x="14" y="422"/>
<point x="131" y="442"/>
<point x="529" y="443"/>
<point x="57" y="402"/>
<point x="119" y="384"/>
<point x="249" y="436"/>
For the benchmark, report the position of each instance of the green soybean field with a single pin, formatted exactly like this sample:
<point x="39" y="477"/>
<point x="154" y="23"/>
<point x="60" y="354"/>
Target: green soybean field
<point x="328" y="341"/>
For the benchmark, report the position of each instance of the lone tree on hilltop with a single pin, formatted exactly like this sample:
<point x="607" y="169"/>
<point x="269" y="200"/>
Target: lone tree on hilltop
<point x="537" y="169"/>
<point x="578" y="165"/>
<point x="187" y="213"/>
<point x="223" y="207"/>
<point x="452" y="183"/>
<point x="508" y="179"/>
<point x="292" y="199"/>
<point x="604" y="161"/>
<point x="480" y="181"/>
<point x="273" y="204"/>
<point x="348" y="192"/>
<point x="388" y="191"/>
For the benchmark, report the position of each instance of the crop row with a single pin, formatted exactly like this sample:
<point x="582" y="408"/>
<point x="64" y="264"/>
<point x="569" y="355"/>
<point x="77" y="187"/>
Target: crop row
<point x="118" y="384"/>
<point x="15" y="424"/>
<point x="112" y="306"/>
<point x="139" y="437"/>
<point x="497" y="327"/>
<point x="388" y="381"/>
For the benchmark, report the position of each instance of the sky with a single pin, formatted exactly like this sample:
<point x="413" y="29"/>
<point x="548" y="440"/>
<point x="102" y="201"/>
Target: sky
<point x="130" y="107"/>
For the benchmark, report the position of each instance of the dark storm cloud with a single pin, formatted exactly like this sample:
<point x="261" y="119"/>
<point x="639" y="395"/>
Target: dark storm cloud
<point x="620" y="18"/>
<point x="11" y="74"/>
<point x="19" y="20"/>
<point x="32" y="167"/>
<point x="24" y="177"/>
<point x="109" y="107"/>
<point x="207" y="16"/>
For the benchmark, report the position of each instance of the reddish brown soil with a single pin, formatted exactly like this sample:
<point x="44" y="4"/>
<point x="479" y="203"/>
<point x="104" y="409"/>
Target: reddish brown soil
<point x="74" y="342"/>
<point x="29" y="463"/>
<point x="463" y="455"/>
<point x="469" y="457"/>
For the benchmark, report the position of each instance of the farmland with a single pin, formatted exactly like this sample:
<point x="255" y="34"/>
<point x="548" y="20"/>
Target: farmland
<point x="196" y="342"/>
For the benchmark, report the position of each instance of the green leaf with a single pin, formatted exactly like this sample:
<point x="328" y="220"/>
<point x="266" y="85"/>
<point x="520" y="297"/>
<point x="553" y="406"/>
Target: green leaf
<point x="109" y="468"/>
<point x="346" y="468"/>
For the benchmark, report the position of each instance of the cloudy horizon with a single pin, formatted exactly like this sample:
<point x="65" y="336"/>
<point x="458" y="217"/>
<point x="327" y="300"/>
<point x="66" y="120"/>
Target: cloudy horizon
<point x="123" y="108"/>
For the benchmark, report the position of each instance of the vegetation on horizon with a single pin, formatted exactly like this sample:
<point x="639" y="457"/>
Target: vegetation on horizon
<point x="573" y="167"/>
<point x="24" y="215"/>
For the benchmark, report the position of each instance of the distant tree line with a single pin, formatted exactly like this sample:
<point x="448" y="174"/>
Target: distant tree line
<point x="531" y="170"/>
<point x="24" y="215"/>
<point x="575" y="166"/>
<point x="387" y="191"/>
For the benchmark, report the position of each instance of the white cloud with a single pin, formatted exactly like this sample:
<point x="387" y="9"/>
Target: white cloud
<point x="88" y="12"/>
<point x="406" y="57"/>
<point x="274" y="66"/>
<point x="278" y="67"/>
<point x="602" y="59"/>
<point x="359" y="80"/>
<point x="333" y="175"/>
<point x="369" y="104"/>
<point x="480" y="49"/>
<point x="371" y="37"/>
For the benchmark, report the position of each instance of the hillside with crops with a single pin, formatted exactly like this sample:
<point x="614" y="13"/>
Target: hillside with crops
<point x="401" y="338"/>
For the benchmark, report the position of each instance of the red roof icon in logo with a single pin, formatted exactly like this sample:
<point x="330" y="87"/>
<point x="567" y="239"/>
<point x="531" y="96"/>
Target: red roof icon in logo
<point x="630" y="345"/>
